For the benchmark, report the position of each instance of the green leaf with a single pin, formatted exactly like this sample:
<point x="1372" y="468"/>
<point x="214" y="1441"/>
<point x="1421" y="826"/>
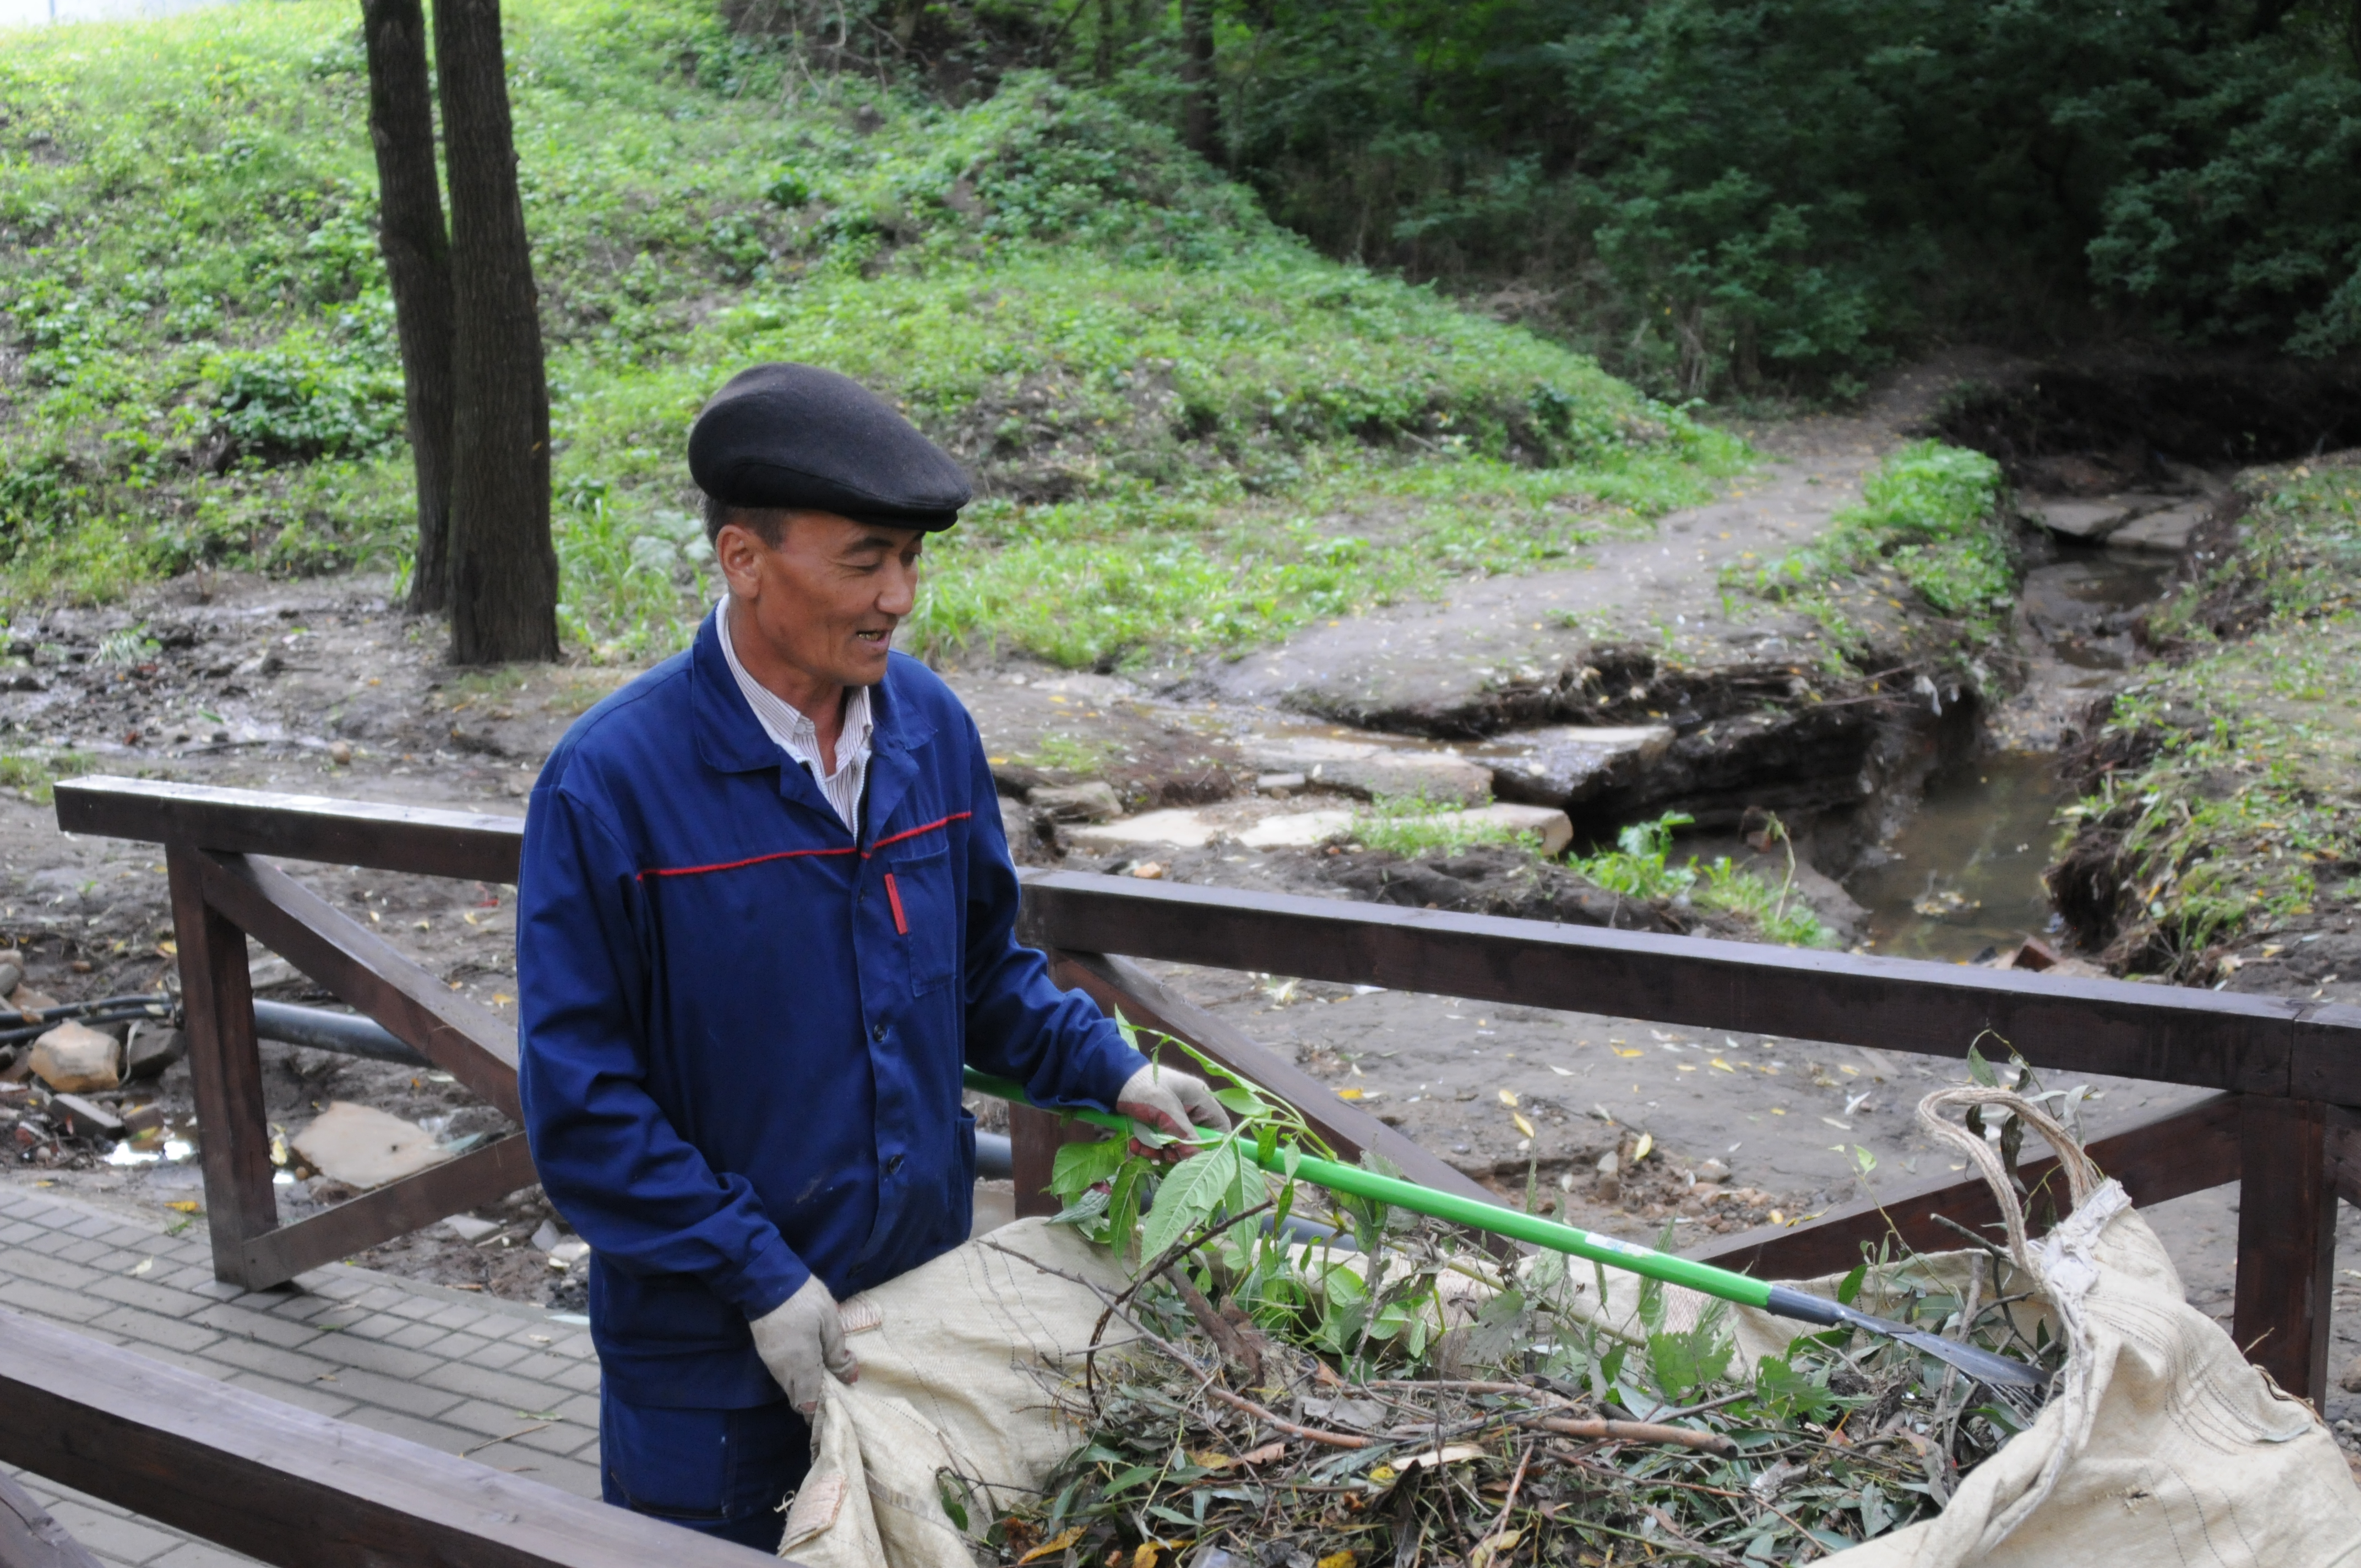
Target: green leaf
<point x="1239" y="1102"/>
<point x="1080" y="1167"/>
<point x="1123" y="1204"/>
<point x="1850" y="1287"/>
<point x="1187" y="1197"/>
<point x="1686" y="1361"/>
<point x="1981" y="1070"/>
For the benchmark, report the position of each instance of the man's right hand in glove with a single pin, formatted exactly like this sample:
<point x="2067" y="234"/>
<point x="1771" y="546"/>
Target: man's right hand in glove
<point x="801" y="1342"/>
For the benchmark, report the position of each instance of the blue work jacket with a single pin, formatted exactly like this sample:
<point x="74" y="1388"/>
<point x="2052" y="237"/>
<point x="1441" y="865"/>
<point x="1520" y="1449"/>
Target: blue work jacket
<point x="744" y="1026"/>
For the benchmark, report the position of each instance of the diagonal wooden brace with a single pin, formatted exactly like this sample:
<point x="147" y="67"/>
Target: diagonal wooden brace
<point x="472" y="1043"/>
<point x="479" y="1177"/>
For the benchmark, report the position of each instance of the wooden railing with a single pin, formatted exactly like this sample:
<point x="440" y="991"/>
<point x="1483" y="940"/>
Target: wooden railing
<point x="2285" y="1071"/>
<point x="278" y="1482"/>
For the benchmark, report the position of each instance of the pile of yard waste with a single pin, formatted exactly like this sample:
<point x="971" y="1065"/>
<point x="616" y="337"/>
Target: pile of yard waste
<point x="1399" y="1394"/>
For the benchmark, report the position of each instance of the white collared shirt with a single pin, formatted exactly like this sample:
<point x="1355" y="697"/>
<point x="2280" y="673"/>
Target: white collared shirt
<point x="798" y="736"/>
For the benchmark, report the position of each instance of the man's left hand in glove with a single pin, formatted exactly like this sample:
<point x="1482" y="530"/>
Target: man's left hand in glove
<point x="1171" y="1103"/>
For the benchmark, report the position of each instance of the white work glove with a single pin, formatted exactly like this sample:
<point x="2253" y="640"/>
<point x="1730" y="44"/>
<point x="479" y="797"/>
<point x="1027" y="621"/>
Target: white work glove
<point x="1170" y="1103"/>
<point x="800" y="1340"/>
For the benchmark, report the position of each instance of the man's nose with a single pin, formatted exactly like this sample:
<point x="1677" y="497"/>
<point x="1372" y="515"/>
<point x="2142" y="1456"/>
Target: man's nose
<point x="899" y="593"/>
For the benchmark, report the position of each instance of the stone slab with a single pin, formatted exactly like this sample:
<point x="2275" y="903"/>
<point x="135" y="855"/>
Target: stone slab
<point x="363" y="1146"/>
<point x="1370" y="769"/>
<point x="2162" y="533"/>
<point x="1565" y="764"/>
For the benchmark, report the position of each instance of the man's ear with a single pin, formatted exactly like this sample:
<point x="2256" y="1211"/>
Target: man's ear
<point x="738" y="550"/>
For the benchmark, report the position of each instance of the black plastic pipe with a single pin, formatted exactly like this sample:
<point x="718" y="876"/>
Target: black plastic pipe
<point x="350" y="1035"/>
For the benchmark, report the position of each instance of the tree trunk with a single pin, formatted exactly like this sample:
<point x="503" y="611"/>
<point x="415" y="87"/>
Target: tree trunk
<point x="503" y="570"/>
<point x="418" y="265"/>
<point x="1197" y="76"/>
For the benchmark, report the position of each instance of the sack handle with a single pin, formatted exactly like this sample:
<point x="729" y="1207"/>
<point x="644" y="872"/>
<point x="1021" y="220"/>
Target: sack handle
<point x="2082" y="1175"/>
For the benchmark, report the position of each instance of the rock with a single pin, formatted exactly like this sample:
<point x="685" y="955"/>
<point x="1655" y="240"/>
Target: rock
<point x="2350" y="1378"/>
<point x="2163" y="533"/>
<point x="340" y="752"/>
<point x="1297" y="829"/>
<point x="545" y="1235"/>
<point x="73" y="1059"/>
<point x="78" y="1115"/>
<point x="12" y="970"/>
<point x="1279" y="785"/>
<point x="30" y="1003"/>
<point x="151" y="1050"/>
<point x="568" y="1253"/>
<point x="1091" y="802"/>
<point x="1017" y="826"/>
<point x="1373" y="767"/>
<point x="363" y="1148"/>
<point x="1713" y="1170"/>
<point x="1182" y="828"/>
<point x="1609" y="1164"/>
<point x="1567" y="763"/>
<point x="469" y="1228"/>
<point x="1551" y="825"/>
<point x="147" y="1118"/>
<point x="2088" y="520"/>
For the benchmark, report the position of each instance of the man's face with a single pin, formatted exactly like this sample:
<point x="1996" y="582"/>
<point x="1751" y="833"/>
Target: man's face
<point x="826" y="599"/>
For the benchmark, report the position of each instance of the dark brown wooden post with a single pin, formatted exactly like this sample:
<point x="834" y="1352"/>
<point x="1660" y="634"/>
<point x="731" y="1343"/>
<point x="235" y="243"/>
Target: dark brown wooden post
<point x="224" y="1070"/>
<point x="2287" y="1242"/>
<point x="1034" y="1139"/>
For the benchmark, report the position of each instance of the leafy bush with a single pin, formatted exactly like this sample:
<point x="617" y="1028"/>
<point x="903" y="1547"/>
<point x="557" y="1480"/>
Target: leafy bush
<point x="1717" y="194"/>
<point x="292" y="401"/>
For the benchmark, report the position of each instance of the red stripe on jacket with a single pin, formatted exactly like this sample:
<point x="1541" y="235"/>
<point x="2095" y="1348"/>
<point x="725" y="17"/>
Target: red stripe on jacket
<point x="792" y="854"/>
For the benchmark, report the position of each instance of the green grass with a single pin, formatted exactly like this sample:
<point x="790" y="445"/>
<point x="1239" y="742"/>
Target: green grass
<point x="1641" y="866"/>
<point x="1414" y="825"/>
<point x="37" y="773"/>
<point x="2239" y="814"/>
<point x="1191" y="432"/>
<point x="1929" y="519"/>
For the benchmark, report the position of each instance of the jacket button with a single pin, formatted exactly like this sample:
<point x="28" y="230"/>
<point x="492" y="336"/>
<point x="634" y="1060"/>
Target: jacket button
<point x="877" y="1032"/>
<point x="893" y="1163"/>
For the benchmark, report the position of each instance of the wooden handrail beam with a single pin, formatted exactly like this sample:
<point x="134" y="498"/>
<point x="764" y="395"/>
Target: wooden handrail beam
<point x="2161" y="1158"/>
<point x="2254" y="1045"/>
<point x="419" y="839"/>
<point x="292" y="1487"/>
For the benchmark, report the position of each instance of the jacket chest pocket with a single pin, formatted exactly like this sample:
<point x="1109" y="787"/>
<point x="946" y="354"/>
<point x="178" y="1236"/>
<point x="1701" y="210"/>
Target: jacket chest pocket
<point x="923" y="903"/>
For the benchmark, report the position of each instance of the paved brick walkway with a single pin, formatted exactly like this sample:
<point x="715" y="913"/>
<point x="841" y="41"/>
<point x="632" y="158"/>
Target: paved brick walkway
<point x="505" y="1384"/>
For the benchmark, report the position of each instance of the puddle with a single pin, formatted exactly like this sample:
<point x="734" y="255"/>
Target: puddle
<point x="1967" y="870"/>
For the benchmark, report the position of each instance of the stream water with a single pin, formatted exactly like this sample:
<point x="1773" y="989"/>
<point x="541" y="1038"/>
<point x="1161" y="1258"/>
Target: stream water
<point x="1965" y="873"/>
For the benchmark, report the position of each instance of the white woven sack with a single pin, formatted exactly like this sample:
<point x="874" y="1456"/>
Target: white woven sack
<point x="960" y="1361"/>
<point x="2160" y="1444"/>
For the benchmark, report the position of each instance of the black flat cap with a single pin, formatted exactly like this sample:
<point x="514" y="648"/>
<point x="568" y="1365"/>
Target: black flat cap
<point x="801" y="437"/>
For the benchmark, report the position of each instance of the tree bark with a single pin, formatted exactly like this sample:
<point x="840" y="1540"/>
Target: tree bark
<point x="418" y="266"/>
<point x="1197" y="76"/>
<point x="503" y="569"/>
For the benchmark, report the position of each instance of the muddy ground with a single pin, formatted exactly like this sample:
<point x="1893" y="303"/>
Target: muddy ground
<point x="322" y="688"/>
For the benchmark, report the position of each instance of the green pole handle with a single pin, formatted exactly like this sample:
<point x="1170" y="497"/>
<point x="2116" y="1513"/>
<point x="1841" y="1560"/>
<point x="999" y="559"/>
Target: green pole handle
<point x="1397" y="1194"/>
<point x="1783" y="1301"/>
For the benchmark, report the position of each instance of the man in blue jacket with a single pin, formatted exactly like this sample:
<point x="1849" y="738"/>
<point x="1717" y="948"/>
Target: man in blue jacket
<point x="766" y="913"/>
